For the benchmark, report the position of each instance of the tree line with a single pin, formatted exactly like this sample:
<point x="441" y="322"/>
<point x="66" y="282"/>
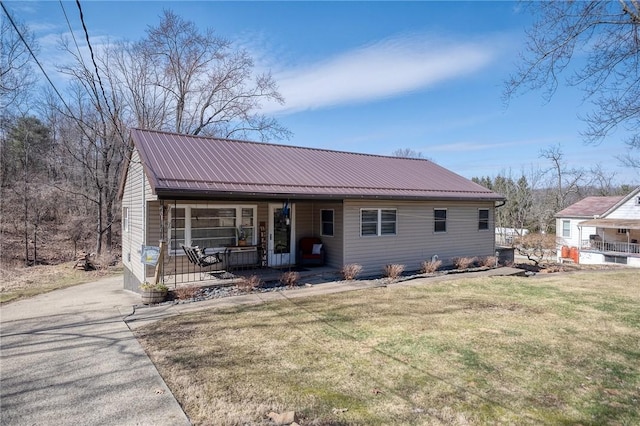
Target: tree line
<point x="533" y="198"/>
<point x="62" y="149"/>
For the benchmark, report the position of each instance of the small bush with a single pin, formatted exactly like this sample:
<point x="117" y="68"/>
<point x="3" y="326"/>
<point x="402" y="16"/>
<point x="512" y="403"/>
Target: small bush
<point x="463" y="262"/>
<point x="350" y="271"/>
<point x="430" y="266"/>
<point x="186" y="292"/>
<point x="290" y="278"/>
<point x="393" y="270"/>
<point x="249" y="284"/>
<point x="489" y="261"/>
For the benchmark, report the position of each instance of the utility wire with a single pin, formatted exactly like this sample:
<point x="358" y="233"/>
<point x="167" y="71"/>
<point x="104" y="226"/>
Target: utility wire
<point x="93" y="59"/>
<point x="15" y="27"/>
<point x="95" y="65"/>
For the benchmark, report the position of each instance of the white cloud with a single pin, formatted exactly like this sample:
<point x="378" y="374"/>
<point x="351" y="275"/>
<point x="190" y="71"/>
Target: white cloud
<point x="384" y="69"/>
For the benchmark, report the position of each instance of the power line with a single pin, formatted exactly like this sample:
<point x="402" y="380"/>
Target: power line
<point x="93" y="59"/>
<point x="95" y="65"/>
<point x="15" y="27"/>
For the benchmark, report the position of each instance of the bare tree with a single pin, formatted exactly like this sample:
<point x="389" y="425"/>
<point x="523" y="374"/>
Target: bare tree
<point x="567" y="181"/>
<point x="602" y="38"/>
<point x="209" y="86"/>
<point x="16" y="74"/>
<point x="97" y="138"/>
<point x="407" y="153"/>
<point x="28" y="142"/>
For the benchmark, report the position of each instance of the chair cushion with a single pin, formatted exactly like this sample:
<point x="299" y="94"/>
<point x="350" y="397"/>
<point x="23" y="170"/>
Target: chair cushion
<point x="306" y="244"/>
<point x="317" y="248"/>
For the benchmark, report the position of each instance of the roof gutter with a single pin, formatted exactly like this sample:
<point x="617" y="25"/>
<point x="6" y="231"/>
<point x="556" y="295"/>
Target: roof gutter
<point x="200" y="195"/>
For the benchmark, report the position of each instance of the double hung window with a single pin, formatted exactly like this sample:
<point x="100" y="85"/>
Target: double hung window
<point x="439" y="220"/>
<point x="483" y="219"/>
<point x="326" y="223"/>
<point x="378" y="222"/>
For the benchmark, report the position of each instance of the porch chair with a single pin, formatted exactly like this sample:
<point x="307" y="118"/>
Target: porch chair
<point x="311" y="252"/>
<point x="198" y="256"/>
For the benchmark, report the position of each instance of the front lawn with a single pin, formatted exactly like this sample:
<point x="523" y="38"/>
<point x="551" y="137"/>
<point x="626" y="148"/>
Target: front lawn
<point x="556" y="349"/>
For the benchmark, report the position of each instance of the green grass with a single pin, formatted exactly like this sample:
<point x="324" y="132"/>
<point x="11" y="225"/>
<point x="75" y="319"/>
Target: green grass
<point x="558" y="349"/>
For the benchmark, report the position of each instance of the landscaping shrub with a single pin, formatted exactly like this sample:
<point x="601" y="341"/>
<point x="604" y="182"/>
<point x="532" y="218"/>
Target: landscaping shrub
<point x="185" y="293"/>
<point x="489" y="261"/>
<point x="350" y="271"/>
<point x="290" y="278"/>
<point x="536" y="247"/>
<point x="250" y="283"/>
<point x="464" y="262"/>
<point x="393" y="270"/>
<point x="430" y="266"/>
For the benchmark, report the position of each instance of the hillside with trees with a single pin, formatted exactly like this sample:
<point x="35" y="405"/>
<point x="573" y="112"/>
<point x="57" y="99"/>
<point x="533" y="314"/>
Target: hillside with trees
<point x="62" y="148"/>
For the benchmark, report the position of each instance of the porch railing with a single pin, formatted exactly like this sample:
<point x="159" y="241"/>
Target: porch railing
<point x="177" y="269"/>
<point x="615" y="246"/>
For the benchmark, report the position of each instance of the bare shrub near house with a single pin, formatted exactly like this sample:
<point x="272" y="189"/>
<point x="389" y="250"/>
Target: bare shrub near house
<point x="393" y="270"/>
<point x="489" y="261"/>
<point x="290" y="278"/>
<point x="537" y="248"/>
<point x="350" y="272"/>
<point x="464" y="262"/>
<point x="430" y="266"/>
<point x="250" y="283"/>
<point x="186" y="292"/>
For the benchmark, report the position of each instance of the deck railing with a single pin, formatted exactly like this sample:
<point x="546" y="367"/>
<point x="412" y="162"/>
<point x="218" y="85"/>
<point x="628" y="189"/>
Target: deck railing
<point x="615" y="246"/>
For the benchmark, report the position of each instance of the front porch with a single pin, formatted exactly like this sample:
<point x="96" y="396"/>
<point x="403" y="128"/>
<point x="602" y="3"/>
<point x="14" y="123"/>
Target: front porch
<point x="615" y="241"/>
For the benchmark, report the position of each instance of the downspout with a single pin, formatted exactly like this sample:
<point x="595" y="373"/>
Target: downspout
<point x="502" y="236"/>
<point x="144" y="225"/>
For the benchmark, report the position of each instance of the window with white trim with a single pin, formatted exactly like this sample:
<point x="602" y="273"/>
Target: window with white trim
<point x="483" y="219"/>
<point x="566" y="228"/>
<point x="210" y="227"/>
<point x="326" y="223"/>
<point x="125" y="219"/>
<point x="439" y="220"/>
<point x="622" y="231"/>
<point x="378" y="222"/>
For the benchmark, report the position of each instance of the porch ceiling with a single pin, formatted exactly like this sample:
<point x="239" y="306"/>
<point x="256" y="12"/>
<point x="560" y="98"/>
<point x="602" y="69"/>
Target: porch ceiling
<point x="612" y="223"/>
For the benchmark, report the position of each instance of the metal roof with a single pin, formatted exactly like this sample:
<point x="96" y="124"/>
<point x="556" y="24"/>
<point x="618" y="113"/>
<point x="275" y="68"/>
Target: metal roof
<point x="590" y="206"/>
<point x="196" y="166"/>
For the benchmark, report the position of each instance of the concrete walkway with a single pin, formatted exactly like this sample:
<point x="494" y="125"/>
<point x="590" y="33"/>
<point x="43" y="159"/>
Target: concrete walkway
<point x="68" y="358"/>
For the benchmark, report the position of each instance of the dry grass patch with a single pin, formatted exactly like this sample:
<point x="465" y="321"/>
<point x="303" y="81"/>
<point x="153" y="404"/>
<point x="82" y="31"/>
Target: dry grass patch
<point x="561" y="349"/>
<point x="22" y="282"/>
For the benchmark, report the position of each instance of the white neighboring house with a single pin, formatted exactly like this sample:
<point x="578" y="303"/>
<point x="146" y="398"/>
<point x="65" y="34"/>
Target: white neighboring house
<point x="604" y="229"/>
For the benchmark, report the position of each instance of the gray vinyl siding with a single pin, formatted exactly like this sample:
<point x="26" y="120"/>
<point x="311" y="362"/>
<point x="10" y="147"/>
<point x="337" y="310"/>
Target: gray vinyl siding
<point x="308" y="225"/>
<point x="415" y="239"/>
<point x="133" y="198"/>
<point x="304" y="221"/>
<point x="333" y="245"/>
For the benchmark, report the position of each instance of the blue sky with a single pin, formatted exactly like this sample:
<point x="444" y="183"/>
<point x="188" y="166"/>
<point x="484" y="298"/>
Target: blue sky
<point x="374" y="77"/>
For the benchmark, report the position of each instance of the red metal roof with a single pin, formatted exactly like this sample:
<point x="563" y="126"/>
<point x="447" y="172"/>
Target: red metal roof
<point x="589" y="207"/>
<point x="185" y="165"/>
